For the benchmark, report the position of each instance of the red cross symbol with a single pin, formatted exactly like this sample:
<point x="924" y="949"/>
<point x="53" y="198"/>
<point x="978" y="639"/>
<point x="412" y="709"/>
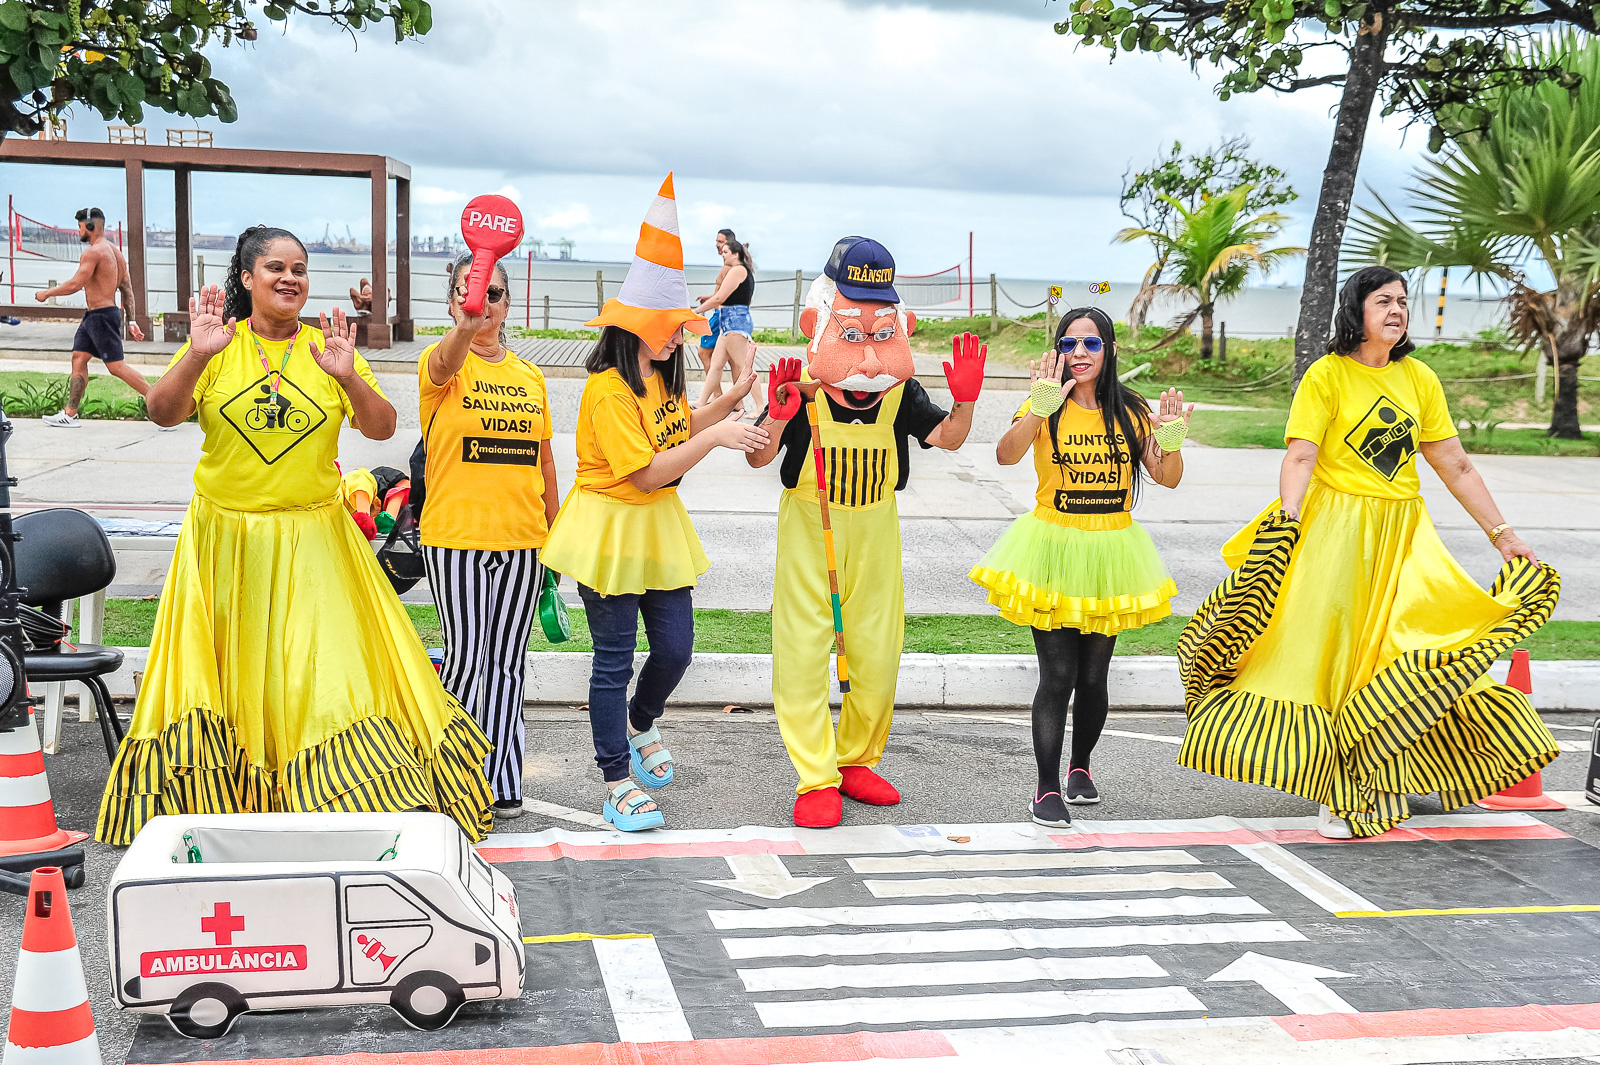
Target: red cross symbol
<point x="222" y="923"/>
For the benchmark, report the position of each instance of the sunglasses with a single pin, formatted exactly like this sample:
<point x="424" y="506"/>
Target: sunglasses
<point x="495" y="293"/>
<point x="854" y="334"/>
<point x="1092" y="345"/>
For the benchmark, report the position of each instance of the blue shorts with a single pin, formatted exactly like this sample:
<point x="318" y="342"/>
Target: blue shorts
<point x="709" y="341"/>
<point x="735" y="318"/>
<point x="100" y="334"/>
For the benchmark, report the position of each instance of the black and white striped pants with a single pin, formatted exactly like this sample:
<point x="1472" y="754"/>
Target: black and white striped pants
<point x="487" y="601"/>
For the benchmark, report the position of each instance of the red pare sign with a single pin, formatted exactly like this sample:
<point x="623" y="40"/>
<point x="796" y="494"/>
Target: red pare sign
<point x="491" y="226"/>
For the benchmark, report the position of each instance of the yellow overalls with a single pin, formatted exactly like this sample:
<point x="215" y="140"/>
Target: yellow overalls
<point x="863" y="468"/>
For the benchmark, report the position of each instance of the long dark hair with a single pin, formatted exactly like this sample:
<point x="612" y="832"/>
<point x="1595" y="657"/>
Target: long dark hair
<point x="743" y="252"/>
<point x="251" y="246"/>
<point x="1350" y="320"/>
<point x="618" y="350"/>
<point x="1120" y="406"/>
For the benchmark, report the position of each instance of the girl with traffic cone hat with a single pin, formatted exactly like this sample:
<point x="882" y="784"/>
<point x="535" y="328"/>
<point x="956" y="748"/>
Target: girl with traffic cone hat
<point x="51" y="1023"/>
<point x="622" y="533"/>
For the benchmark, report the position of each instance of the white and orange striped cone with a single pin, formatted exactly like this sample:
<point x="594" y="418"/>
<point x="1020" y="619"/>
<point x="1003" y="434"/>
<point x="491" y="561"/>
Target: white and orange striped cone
<point x="29" y="835"/>
<point x="51" y="1023"/>
<point x="1528" y="793"/>
<point x="654" y="300"/>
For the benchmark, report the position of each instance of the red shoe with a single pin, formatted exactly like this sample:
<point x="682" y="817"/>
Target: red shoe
<point x="818" y="809"/>
<point x="863" y="785"/>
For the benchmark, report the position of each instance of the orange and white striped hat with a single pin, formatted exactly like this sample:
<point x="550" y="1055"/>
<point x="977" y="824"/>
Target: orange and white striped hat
<point x="654" y="300"/>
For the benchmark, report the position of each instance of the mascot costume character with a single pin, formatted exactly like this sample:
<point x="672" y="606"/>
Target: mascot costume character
<point x="843" y="426"/>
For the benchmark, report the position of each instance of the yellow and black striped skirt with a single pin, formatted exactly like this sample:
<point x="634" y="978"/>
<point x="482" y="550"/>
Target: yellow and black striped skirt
<point x="1346" y="660"/>
<point x="284" y="674"/>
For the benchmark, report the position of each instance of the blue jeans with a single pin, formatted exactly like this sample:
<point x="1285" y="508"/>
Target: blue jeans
<point x="614" y="628"/>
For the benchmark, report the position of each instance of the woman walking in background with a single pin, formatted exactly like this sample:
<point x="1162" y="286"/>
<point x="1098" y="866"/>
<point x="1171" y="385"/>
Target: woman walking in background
<point x="622" y="533"/>
<point x="1078" y="570"/>
<point x="708" y="341"/>
<point x="1346" y="660"/>
<point x="731" y="302"/>
<point x="283" y="672"/>
<point x="491" y="486"/>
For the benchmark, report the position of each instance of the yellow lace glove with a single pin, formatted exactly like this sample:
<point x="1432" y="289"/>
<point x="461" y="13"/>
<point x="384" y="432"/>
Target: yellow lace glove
<point x="1044" y="398"/>
<point x="1171" y="435"/>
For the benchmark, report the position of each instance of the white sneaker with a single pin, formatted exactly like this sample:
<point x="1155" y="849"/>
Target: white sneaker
<point x="61" y="420"/>
<point x="167" y="428"/>
<point x="1331" y="827"/>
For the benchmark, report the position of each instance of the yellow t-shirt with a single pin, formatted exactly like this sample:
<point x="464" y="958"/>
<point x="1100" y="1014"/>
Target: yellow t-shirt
<point x="261" y="455"/>
<point x="1079" y="480"/>
<point x="483" y="429"/>
<point x="620" y="433"/>
<point x="1367" y="422"/>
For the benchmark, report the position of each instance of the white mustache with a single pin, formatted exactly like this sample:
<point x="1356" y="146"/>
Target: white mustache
<point x="860" y="382"/>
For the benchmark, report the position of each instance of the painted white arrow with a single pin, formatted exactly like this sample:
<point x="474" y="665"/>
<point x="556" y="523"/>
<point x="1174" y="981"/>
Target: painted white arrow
<point x="765" y="876"/>
<point x="1295" y="984"/>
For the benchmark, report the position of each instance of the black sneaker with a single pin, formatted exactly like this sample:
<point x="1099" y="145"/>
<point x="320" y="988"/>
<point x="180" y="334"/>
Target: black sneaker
<point x="1080" y="788"/>
<point x="507" y="808"/>
<point x="1049" y="810"/>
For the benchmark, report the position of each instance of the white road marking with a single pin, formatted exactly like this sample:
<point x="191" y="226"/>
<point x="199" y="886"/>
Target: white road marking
<point x="978" y="863"/>
<point x="1025" y="885"/>
<point x="1295" y="984"/>
<point x="919" y="973"/>
<point x="1570" y="728"/>
<point x="1299" y="874"/>
<point x="1572" y="745"/>
<point x="974" y="912"/>
<point x="643" y="1000"/>
<point x="565" y="813"/>
<point x="1104" y="732"/>
<point x="765" y="876"/>
<point x="832" y="1013"/>
<point x="955" y="940"/>
<point x="1574" y="800"/>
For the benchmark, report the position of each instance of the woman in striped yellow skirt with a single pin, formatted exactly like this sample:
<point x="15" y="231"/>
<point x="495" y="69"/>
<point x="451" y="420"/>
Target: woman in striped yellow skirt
<point x="1346" y="659"/>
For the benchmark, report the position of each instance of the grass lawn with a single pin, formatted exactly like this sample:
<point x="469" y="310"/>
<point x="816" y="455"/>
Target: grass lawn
<point x="35" y="393"/>
<point x="129" y="622"/>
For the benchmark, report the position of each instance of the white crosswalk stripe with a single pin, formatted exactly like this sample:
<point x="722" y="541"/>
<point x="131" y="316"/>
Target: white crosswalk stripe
<point x="832" y="1013"/>
<point x="980" y="912"/>
<point x="1024" y="885"/>
<point x="921" y="973"/>
<point x="984" y="863"/>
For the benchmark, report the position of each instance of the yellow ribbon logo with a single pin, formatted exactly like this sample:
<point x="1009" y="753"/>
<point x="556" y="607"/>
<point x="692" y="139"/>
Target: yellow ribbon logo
<point x="474" y="446"/>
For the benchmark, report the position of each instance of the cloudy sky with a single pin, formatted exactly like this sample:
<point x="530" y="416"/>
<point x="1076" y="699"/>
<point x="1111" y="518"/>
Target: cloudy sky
<point x="791" y="121"/>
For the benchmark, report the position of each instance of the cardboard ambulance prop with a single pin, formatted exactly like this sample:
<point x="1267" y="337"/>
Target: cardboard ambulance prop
<point x="214" y="915"/>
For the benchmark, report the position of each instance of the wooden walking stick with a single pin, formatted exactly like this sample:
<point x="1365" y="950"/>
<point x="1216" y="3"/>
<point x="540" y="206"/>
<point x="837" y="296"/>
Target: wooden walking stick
<point x="827" y="546"/>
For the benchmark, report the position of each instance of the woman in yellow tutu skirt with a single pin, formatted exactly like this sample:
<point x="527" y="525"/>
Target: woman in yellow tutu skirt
<point x="283" y="672"/>
<point x="1079" y="570"/>
<point x="1346" y="659"/>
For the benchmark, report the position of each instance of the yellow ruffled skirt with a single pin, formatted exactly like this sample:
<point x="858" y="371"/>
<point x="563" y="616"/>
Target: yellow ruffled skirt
<point x="1048" y="574"/>
<point x="620" y="548"/>
<point x="1346" y="661"/>
<point x="284" y="675"/>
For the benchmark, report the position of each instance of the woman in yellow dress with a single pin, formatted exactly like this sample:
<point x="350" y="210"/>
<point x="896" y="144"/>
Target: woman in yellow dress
<point x="1078" y="570"/>
<point x="283" y="672"/>
<point x="1346" y="659"/>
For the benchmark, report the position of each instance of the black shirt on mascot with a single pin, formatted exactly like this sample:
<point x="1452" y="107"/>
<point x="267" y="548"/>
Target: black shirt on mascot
<point x="919" y="415"/>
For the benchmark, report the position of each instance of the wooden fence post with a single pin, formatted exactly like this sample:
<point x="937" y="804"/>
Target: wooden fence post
<point x="1222" y="344"/>
<point x="794" y="324"/>
<point x="994" y="305"/>
<point x="599" y="292"/>
<point x="547" y="312"/>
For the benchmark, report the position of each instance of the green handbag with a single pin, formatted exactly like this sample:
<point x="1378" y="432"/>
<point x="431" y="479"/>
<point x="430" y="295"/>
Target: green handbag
<point x="552" y="611"/>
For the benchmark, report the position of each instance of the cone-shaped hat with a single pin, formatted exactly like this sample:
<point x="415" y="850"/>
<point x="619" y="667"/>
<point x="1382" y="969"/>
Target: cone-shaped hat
<point x="654" y="299"/>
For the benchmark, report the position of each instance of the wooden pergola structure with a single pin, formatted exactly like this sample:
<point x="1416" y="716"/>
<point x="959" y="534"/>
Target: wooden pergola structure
<point x="135" y="159"/>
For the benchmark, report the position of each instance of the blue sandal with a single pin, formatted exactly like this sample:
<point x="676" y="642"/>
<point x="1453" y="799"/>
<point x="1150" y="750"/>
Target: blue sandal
<point x="619" y="810"/>
<point x="643" y="767"/>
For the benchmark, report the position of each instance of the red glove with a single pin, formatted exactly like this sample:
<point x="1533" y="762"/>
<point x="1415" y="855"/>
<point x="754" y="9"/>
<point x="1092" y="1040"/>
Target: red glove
<point x="364" y="522"/>
<point x="783" y="403"/>
<point x="964" y="373"/>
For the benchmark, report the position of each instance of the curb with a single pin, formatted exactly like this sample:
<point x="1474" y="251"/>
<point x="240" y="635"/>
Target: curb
<point x="971" y="682"/>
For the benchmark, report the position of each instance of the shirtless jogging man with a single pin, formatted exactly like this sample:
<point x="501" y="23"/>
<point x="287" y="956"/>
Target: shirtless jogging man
<point x="102" y="272"/>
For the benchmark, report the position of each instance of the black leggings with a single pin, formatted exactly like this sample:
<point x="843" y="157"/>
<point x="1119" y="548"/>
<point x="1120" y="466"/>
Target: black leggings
<point x="1073" y="666"/>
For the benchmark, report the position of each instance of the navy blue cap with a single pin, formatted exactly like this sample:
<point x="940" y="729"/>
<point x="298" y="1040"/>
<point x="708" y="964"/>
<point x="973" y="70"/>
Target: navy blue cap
<point x="863" y="269"/>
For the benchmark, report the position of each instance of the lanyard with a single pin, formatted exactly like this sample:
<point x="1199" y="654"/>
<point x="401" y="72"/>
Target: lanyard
<point x="288" y="350"/>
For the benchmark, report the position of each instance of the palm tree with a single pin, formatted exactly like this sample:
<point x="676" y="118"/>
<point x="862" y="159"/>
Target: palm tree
<point x="1526" y="187"/>
<point x="1212" y="253"/>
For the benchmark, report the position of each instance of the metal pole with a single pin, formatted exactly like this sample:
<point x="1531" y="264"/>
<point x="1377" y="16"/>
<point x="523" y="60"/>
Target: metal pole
<point x="599" y="292"/>
<point x="971" y="309"/>
<point x="527" y="300"/>
<point x="11" y="244"/>
<point x="547" y="312"/>
<point x="1049" y="313"/>
<point x="1438" y="318"/>
<point x="994" y="305"/>
<point x="794" y="323"/>
<point x="1222" y="344"/>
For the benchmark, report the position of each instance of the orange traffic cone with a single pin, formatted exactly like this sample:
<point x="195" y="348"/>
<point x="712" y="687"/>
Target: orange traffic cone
<point x="29" y="835"/>
<point x="1527" y="794"/>
<point x="51" y="1023"/>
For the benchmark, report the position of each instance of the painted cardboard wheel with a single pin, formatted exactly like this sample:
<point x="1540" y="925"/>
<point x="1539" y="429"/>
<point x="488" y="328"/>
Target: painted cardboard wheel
<point x="205" y="1011"/>
<point x="427" y="1000"/>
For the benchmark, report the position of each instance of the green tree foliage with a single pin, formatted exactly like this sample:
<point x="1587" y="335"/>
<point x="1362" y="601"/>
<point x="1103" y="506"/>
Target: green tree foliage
<point x="1425" y="59"/>
<point x="1526" y="187"/>
<point x="1212" y="252"/>
<point x="119" y="55"/>
<point x="1149" y="196"/>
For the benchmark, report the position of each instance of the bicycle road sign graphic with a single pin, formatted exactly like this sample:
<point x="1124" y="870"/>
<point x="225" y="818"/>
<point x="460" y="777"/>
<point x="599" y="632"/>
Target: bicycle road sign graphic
<point x="273" y="425"/>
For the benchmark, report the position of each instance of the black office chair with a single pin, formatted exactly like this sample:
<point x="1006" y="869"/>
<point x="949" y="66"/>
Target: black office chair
<point x="65" y="554"/>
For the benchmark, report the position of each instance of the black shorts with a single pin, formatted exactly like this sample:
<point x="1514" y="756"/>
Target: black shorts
<point x="100" y="334"/>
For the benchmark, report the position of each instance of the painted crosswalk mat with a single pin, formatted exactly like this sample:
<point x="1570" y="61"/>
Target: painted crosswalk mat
<point x="1464" y="937"/>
